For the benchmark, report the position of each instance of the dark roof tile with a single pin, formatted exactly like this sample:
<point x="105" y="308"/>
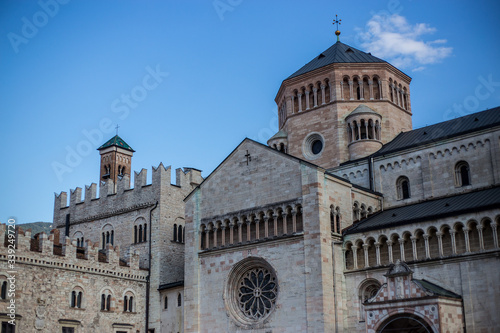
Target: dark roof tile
<point x="429" y="210"/>
<point x="337" y="53"/>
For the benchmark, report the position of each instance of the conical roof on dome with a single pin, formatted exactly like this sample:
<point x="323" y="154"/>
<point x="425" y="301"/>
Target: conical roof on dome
<point x="280" y="135"/>
<point x="362" y="109"/>
<point x="116" y="141"/>
<point x="337" y="53"/>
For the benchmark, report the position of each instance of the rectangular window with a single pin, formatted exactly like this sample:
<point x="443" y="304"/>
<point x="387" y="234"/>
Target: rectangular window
<point x="8" y="328"/>
<point x="68" y="330"/>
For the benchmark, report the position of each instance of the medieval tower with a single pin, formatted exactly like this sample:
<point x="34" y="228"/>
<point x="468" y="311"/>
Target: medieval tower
<point x="342" y="105"/>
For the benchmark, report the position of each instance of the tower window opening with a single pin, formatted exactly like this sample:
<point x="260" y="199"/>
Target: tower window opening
<point x="317" y="146"/>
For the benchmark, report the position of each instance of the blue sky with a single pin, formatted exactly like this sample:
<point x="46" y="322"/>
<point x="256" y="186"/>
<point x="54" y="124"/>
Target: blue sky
<point x="187" y="81"/>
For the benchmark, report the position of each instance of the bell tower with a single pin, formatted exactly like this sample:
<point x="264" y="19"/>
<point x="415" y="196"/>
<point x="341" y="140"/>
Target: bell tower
<point x="116" y="159"/>
<point x="342" y="105"/>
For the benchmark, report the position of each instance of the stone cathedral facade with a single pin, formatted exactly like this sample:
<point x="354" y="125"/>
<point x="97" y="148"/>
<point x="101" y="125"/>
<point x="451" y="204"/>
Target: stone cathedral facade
<point x="347" y="221"/>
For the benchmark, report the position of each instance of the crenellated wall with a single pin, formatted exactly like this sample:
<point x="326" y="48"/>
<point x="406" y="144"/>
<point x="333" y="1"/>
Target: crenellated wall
<point x="47" y="272"/>
<point x="136" y="219"/>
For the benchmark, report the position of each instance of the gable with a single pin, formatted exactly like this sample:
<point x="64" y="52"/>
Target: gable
<point x="242" y="182"/>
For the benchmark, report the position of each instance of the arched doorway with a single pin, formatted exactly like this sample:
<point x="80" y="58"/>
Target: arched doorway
<point x="404" y="323"/>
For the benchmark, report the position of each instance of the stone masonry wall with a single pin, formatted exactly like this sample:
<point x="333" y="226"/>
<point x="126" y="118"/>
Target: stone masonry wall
<point x="45" y="281"/>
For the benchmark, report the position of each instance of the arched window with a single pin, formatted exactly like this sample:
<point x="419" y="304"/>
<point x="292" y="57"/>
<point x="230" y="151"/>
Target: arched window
<point x="337" y="220"/>
<point x="125" y="304"/>
<point x="332" y="219"/>
<point x="107" y="237"/>
<point x="462" y="174"/>
<point x="179" y="236"/>
<point x="108" y="303"/>
<point x="73" y="299"/>
<point x="103" y="240"/>
<point x="79" y="299"/>
<point x="112" y="237"/>
<point x="145" y="232"/>
<point x="131" y="304"/>
<point x="140" y="233"/>
<point x="103" y="302"/>
<point x="367" y="290"/>
<point x="135" y="234"/>
<point x="165" y="304"/>
<point x="3" y="295"/>
<point x="179" y="300"/>
<point x="403" y="188"/>
<point x="175" y="232"/>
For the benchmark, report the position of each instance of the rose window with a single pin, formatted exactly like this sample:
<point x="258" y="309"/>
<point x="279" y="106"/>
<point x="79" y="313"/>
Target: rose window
<point x="251" y="292"/>
<point x="257" y="290"/>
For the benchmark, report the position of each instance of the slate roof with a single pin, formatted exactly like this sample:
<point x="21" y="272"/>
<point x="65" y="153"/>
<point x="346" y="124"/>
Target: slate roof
<point x="440" y="131"/>
<point x="437" y="290"/>
<point x="429" y="210"/>
<point x="116" y="141"/>
<point x="337" y="53"/>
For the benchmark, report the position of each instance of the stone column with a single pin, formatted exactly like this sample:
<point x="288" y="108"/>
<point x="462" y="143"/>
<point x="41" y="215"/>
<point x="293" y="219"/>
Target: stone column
<point x="240" y="232"/>
<point x="323" y="94"/>
<point x="331" y="86"/>
<point x="294" y="221"/>
<point x="493" y="226"/>
<point x="481" y="240"/>
<point x="341" y="90"/>
<point x="315" y="91"/>
<point x="293" y="103"/>
<point x="414" y="247"/>
<point x="427" y="250"/>
<point x="467" y="243"/>
<point x="359" y="130"/>
<point x="307" y="99"/>
<point x="275" y="225"/>
<point x="377" y="252"/>
<point x="365" y="248"/>
<point x="284" y="215"/>
<point x="440" y="243"/>
<point x="389" y="249"/>
<point x="231" y="233"/>
<point x="215" y="235"/>
<point x="453" y="242"/>
<point x="223" y="230"/>
<point x="266" y="227"/>
<point x="351" y="90"/>
<point x="393" y="93"/>
<point x="402" y="248"/>
<point x="257" y="228"/>
<point x="207" y="238"/>
<point x="361" y="91"/>
<point x="344" y="251"/>
<point x="370" y="85"/>
<point x="355" y="257"/>
<point x="249" y="233"/>
<point x="300" y="101"/>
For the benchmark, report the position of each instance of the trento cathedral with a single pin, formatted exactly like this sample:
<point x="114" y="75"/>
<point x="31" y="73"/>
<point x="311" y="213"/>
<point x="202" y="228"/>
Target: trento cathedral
<point x="348" y="220"/>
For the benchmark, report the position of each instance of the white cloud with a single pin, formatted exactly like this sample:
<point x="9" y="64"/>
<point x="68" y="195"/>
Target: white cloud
<point x="393" y="39"/>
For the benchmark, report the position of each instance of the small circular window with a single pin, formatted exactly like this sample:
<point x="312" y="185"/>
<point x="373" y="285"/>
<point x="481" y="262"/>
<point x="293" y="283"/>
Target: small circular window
<point x="313" y="146"/>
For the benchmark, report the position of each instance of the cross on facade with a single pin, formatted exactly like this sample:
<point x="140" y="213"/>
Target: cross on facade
<point x="249" y="158"/>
